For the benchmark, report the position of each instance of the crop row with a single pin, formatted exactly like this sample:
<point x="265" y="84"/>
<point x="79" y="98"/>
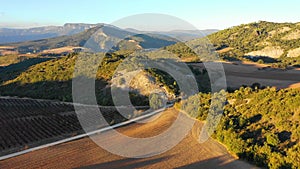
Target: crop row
<point x="28" y="123"/>
<point x="26" y="131"/>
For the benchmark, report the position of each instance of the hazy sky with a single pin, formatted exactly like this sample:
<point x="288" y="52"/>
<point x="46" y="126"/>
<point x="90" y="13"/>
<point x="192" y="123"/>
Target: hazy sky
<point x="203" y="14"/>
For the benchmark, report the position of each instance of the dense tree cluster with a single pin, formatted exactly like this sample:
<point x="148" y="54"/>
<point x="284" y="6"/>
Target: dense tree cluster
<point x="181" y="49"/>
<point x="260" y="125"/>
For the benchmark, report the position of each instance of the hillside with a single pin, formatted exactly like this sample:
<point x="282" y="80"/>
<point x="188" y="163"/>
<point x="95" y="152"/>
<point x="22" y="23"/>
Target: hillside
<point x="52" y="79"/>
<point x="268" y="41"/>
<point x="264" y="42"/>
<point x="259" y="125"/>
<point x="56" y="75"/>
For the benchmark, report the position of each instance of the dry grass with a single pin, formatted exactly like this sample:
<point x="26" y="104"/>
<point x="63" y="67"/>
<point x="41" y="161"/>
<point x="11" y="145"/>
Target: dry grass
<point x="67" y="49"/>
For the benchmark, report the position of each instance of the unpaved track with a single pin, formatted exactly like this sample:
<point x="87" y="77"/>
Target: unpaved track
<point x="84" y="153"/>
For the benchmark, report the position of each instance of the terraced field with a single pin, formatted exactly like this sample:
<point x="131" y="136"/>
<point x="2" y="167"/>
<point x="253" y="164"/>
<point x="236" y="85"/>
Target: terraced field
<point x="27" y="123"/>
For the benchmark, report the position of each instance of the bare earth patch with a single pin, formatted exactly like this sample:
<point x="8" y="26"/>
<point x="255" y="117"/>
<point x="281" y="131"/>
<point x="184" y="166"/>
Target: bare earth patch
<point x="66" y="49"/>
<point x="279" y="31"/>
<point x="294" y="53"/>
<point x="225" y="50"/>
<point x="295" y="85"/>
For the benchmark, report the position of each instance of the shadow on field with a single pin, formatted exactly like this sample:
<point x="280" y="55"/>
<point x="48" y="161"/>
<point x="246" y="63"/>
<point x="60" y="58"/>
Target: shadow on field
<point x="126" y="163"/>
<point x="246" y="74"/>
<point x="217" y="163"/>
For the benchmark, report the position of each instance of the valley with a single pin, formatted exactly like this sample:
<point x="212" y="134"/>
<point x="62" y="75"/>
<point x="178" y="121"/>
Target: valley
<point x="259" y="124"/>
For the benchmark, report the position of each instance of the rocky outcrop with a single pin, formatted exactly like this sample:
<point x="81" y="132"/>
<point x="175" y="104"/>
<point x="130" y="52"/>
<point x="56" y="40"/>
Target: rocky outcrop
<point x="269" y="51"/>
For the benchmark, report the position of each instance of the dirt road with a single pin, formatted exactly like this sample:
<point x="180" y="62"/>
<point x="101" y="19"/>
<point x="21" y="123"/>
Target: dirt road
<point x="84" y="153"/>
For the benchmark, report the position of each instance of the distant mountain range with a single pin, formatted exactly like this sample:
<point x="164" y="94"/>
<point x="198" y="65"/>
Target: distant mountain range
<point x="266" y="41"/>
<point x="100" y="37"/>
<point x="10" y="35"/>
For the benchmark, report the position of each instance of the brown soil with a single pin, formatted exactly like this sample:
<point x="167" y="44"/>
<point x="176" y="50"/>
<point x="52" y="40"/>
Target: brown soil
<point x="84" y="153"/>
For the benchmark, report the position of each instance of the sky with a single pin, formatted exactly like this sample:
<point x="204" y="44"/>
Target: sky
<point x="203" y="14"/>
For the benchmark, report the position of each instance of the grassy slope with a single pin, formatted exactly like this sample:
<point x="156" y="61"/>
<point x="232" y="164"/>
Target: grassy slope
<point x="233" y="43"/>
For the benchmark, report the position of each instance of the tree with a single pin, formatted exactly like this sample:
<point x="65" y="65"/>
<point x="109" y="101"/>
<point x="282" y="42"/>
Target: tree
<point x="156" y="101"/>
<point x="272" y="139"/>
<point x="122" y="81"/>
<point x="260" y="61"/>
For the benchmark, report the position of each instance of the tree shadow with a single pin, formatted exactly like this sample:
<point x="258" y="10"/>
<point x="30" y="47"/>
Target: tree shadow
<point x="255" y="118"/>
<point x="254" y="134"/>
<point x="229" y="58"/>
<point x="265" y="59"/>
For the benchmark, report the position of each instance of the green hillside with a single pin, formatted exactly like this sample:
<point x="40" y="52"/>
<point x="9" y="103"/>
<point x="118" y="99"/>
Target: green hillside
<point x="52" y="79"/>
<point x="264" y="42"/>
<point x="276" y="42"/>
<point x="259" y="125"/>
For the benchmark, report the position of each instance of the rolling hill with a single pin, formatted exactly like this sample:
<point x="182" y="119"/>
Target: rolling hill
<point x="260" y="124"/>
<point x="268" y="41"/>
<point x="51" y="78"/>
<point x="250" y="40"/>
